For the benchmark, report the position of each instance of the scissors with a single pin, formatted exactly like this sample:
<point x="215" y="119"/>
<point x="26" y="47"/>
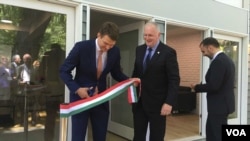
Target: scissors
<point x="91" y="91"/>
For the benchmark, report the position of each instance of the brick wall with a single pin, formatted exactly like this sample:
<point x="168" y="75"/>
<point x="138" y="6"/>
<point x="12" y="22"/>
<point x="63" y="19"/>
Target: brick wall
<point x="186" y="43"/>
<point x="188" y="55"/>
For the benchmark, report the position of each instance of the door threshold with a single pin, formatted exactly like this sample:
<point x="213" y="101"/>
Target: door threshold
<point x="193" y="138"/>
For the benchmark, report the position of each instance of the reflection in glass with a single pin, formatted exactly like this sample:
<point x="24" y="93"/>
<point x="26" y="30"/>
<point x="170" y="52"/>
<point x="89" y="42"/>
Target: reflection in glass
<point x="30" y="89"/>
<point x="120" y="103"/>
<point x="231" y="48"/>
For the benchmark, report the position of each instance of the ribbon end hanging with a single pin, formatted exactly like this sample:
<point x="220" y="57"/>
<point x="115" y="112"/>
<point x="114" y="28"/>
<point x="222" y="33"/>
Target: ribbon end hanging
<point x="132" y="96"/>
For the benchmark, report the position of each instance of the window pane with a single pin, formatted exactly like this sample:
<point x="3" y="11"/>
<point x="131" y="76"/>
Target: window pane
<point x="231" y="48"/>
<point x="236" y="3"/>
<point x="30" y="86"/>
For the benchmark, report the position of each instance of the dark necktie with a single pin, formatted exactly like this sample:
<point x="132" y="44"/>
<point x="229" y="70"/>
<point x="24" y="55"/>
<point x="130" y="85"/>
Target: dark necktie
<point x="147" y="59"/>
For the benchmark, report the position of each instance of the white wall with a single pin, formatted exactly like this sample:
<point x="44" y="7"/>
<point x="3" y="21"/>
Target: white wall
<point x="246" y="5"/>
<point x="236" y="3"/>
<point x="208" y="13"/>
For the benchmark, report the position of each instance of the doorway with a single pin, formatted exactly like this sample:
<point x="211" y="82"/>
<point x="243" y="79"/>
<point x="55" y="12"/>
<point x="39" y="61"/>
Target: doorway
<point x="121" y="123"/>
<point x="184" y="40"/>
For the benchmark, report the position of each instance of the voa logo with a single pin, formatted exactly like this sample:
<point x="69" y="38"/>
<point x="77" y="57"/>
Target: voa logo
<point x="236" y="132"/>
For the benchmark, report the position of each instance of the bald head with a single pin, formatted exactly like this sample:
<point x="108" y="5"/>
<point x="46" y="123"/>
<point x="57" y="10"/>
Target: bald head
<point x="27" y="59"/>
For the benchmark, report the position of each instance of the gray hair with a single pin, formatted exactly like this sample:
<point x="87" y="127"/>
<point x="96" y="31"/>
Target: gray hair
<point x="15" y="56"/>
<point x="154" y="24"/>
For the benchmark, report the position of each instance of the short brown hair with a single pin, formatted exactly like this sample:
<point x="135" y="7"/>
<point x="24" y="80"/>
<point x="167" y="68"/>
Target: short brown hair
<point x="110" y="29"/>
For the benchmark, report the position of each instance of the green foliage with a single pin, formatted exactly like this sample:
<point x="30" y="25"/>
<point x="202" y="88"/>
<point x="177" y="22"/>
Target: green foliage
<point x="14" y="14"/>
<point x="55" y="33"/>
<point x="7" y="37"/>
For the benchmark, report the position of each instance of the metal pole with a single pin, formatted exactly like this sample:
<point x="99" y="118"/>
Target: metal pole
<point x="63" y="127"/>
<point x="25" y="122"/>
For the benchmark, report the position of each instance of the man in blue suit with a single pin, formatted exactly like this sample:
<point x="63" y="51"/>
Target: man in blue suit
<point x="219" y="87"/>
<point x="83" y="58"/>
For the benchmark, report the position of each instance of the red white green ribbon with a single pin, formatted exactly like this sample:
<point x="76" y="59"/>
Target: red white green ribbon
<point x="76" y="107"/>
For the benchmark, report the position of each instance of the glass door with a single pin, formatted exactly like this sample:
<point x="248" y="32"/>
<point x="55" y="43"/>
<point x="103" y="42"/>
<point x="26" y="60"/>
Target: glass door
<point x="121" y="119"/>
<point x="38" y="29"/>
<point x="232" y="47"/>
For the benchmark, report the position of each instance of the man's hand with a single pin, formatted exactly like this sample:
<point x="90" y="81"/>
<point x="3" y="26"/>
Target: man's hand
<point x="83" y="92"/>
<point x="192" y="86"/>
<point x="166" y="109"/>
<point x="137" y="81"/>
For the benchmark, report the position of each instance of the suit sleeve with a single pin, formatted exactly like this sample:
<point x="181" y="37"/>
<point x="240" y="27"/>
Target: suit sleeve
<point x="215" y="80"/>
<point x="116" y="71"/>
<point x="67" y="67"/>
<point x="135" y="71"/>
<point x="173" y="77"/>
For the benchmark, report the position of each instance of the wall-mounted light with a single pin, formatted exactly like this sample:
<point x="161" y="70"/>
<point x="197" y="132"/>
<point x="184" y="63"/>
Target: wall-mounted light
<point x="6" y="20"/>
<point x="235" y="48"/>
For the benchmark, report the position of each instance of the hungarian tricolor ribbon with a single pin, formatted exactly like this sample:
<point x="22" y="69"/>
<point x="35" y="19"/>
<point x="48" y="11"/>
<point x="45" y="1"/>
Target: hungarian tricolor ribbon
<point x="76" y="107"/>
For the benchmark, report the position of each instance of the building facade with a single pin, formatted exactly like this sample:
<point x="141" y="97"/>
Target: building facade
<point x="183" y="24"/>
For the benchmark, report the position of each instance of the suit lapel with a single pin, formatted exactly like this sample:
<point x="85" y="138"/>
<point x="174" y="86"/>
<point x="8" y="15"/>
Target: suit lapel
<point x="155" y="56"/>
<point x="92" y="59"/>
<point x="211" y="67"/>
<point x="140" y="56"/>
<point x="109" y="59"/>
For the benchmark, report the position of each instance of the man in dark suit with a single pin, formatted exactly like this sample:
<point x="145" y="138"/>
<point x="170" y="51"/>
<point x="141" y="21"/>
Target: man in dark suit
<point x="84" y="59"/>
<point x="16" y="60"/>
<point x="219" y="87"/>
<point x="159" y="85"/>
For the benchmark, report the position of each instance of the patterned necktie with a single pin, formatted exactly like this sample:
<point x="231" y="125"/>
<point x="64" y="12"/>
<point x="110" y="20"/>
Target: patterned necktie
<point x="147" y="59"/>
<point x="99" y="64"/>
